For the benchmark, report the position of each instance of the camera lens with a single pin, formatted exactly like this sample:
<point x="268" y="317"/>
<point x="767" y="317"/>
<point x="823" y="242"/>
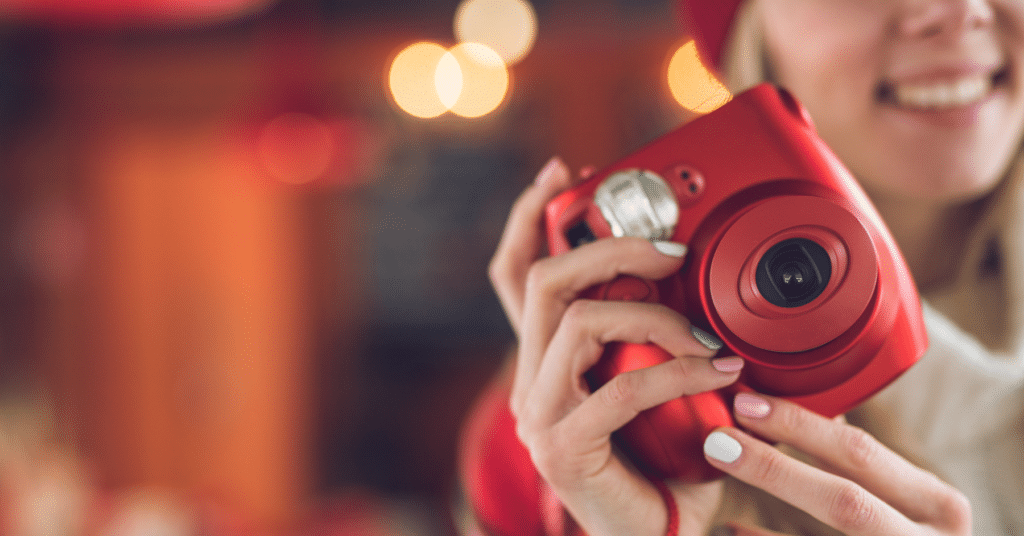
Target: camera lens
<point x="793" y="272"/>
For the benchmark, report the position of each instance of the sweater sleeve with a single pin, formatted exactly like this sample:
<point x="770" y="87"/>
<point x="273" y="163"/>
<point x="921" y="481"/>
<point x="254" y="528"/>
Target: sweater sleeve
<point x="505" y="493"/>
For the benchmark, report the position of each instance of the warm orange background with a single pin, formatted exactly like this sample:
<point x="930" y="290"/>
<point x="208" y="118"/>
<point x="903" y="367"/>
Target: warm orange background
<point x="199" y="325"/>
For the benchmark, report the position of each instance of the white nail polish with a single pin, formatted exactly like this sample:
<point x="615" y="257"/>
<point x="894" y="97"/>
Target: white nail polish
<point x="722" y="447"/>
<point x="672" y="249"/>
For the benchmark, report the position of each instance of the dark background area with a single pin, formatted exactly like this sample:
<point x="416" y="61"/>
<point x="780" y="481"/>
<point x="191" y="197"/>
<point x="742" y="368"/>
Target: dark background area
<point x="274" y="355"/>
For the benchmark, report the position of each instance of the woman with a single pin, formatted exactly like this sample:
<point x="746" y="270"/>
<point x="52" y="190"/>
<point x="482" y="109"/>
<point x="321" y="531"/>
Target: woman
<point x="924" y="101"/>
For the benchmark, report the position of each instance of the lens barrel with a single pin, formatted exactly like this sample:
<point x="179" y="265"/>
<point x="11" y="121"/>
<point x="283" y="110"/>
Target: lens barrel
<point x="793" y="272"/>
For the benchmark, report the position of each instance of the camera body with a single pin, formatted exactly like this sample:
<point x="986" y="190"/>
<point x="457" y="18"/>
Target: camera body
<point x="789" y="264"/>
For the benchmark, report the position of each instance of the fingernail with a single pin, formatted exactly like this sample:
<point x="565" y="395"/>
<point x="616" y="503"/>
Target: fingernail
<point x="751" y="406"/>
<point x="549" y="170"/>
<point x="728" y="364"/>
<point x="722" y="531"/>
<point x="672" y="249"/>
<point x="707" y="339"/>
<point x="722" y="447"/>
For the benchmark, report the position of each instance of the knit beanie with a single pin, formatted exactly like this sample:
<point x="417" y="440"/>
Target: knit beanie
<point x="708" y="22"/>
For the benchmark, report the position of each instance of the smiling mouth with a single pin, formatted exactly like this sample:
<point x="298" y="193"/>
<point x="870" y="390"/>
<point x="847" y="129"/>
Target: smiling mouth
<point x="942" y="95"/>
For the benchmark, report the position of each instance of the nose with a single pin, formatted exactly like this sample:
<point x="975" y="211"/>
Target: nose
<point x="931" y="18"/>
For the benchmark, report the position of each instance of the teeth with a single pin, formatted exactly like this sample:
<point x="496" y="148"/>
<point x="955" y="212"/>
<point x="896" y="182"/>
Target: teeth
<point x="945" y="94"/>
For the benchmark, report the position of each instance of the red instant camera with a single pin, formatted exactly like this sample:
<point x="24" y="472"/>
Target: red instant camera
<point x="789" y="264"/>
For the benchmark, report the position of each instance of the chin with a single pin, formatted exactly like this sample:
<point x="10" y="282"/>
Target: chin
<point x="949" y="191"/>
<point x="935" y="187"/>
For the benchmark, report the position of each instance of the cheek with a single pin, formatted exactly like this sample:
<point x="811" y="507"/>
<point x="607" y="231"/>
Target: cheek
<point x="830" y="59"/>
<point x="1012" y="11"/>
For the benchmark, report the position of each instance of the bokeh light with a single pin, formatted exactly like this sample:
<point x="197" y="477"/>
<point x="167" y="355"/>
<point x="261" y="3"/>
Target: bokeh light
<point x="507" y="26"/>
<point x="484" y="79"/>
<point x="470" y="79"/>
<point x="448" y="80"/>
<point x="412" y="79"/>
<point x="691" y="84"/>
<point x="296" y="148"/>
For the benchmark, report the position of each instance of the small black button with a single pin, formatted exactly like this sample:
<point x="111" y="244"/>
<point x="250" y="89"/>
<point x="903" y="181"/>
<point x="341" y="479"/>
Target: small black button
<point x="580" y="234"/>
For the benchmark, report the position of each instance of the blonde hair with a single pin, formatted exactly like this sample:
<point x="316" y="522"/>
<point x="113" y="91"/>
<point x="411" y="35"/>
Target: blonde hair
<point x="985" y="298"/>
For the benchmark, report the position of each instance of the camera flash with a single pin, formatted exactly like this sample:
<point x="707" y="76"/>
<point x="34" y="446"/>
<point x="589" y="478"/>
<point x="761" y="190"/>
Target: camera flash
<point x="637" y="202"/>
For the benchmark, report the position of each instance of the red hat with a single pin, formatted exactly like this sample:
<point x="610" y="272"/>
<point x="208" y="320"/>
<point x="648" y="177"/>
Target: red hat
<point x="708" y="22"/>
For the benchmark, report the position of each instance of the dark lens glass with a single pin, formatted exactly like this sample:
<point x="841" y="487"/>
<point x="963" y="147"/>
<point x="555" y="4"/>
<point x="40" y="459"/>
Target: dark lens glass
<point x="793" y="272"/>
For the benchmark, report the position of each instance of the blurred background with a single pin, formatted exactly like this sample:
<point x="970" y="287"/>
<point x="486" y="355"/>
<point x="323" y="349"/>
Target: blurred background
<point x="243" y="243"/>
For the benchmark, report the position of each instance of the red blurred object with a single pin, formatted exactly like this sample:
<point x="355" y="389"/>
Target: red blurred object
<point x="709" y="23"/>
<point x="296" y="148"/>
<point x="789" y="263"/>
<point x="121" y="12"/>
<point x="501" y="484"/>
<point x="301" y="134"/>
<point x="301" y="148"/>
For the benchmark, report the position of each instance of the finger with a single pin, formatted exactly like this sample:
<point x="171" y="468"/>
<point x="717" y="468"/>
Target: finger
<point x="594" y="497"/>
<point x="854" y="454"/>
<point x="739" y="529"/>
<point x="554" y="282"/>
<point x="620" y="400"/>
<point x="833" y="500"/>
<point x="523" y="239"/>
<point x="588" y="325"/>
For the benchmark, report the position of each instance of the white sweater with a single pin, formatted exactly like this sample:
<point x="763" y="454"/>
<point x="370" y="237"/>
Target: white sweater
<point x="962" y="409"/>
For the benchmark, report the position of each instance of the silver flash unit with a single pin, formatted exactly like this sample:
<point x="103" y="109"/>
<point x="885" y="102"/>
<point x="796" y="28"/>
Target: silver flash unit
<point x="638" y="202"/>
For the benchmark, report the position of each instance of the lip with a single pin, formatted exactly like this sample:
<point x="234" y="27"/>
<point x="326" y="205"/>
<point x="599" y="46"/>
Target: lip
<point x="956" y="118"/>
<point x="945" y="73"/>
<point x="950" y="117"/>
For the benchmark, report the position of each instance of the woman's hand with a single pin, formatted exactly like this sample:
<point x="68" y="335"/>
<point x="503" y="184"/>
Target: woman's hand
<point x="861" y="487"/>
<point x="565" y="427"/>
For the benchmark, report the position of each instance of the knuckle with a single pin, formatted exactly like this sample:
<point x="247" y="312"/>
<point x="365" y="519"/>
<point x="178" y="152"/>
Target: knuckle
<point x="543" y="449"/>
<point x="498" y="271"/>
<point x="552" y="455"/>
<point x="851" y="509"/>
<point x="577" y="314"/>
<point x="686" y="373"/>
<point x="790" y="420"/>
<point x="769" y="471"/>
<point x="525" y="432"/>
<point x="621" y="390"/>
<point x="515" y="405"/>
<point x="528" y="427"/>
<point x="859" y="447"/>
<point x="543" y="454"/>
<point x="681" y="368"/>
<point x="539" y="276"/>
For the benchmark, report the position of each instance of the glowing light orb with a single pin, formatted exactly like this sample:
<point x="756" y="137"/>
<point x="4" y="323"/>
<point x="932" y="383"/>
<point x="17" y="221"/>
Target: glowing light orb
<point x="507" y="26"/>
<point x="470" y="80"/>
<point x="448" y="80"/>
<point x="412" y="79"/>
<point x="484" y="79"/>
<point x="691" y="84"/>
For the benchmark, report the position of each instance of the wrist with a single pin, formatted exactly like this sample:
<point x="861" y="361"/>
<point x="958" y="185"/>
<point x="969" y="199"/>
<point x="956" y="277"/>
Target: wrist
<point x="670" y="505"/>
